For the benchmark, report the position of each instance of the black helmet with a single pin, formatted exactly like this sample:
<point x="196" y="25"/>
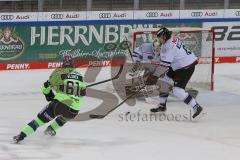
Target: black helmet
<point x="164" y="32"/>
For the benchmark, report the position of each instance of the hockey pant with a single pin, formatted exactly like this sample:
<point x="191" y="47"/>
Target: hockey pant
<point x="180" y="78"/>
<point x="56" y="112"/>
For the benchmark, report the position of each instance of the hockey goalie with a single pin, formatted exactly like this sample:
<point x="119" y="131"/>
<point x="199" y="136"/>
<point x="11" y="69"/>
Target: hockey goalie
<point x="168" y="65"/>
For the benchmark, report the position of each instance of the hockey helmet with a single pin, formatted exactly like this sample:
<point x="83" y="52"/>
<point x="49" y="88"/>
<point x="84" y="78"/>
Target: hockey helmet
<point x="67" y="61"/>
<point x="164" y="32"/>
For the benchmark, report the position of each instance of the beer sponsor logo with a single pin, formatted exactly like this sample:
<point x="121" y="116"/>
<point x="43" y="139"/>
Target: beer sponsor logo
<point x="11" y="46"/>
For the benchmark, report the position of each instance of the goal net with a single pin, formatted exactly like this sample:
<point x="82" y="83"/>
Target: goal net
<point x="197" y="40"/>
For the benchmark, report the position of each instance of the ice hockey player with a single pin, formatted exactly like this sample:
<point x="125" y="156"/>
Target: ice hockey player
<point x="65" y="90"/>
<point x="176" y="64"/>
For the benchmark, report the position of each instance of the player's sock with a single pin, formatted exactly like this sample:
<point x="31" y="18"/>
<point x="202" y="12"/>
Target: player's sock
<point x="54" y="126"/>
<point x="28" y="129"/>
<point x="197" y="109"/>
<point x="32" y="126"/>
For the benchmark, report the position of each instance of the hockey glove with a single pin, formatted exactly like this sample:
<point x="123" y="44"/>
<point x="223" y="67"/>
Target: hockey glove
<point x="47" y="91"/>
<point x="46" y="84"/>
<point x="83" y="92"/>
<point x="50" y="96"/>
<point x="151" y="80"/>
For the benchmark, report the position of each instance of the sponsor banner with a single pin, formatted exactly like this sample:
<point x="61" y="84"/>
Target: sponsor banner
<point x="109" y="15"/>
<point x="232" y="13"/>
<point x="118" y="15"/>
<point x="199" y="14"/>
<point x="52" y="65"/>
<point x="61" y="16"/>
<point x="227" y="37"/>
<point x="156" y="14"/>
<point x="52" y="42"/>
<point x="84" y="64"/>
<point x="18" y="17"/>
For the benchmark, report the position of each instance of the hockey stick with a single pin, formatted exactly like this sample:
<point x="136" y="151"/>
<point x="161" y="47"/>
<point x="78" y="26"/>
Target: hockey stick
<point x="110" y="79"/>
<point x="98" y="116"/>
<point x="129" y="51"/>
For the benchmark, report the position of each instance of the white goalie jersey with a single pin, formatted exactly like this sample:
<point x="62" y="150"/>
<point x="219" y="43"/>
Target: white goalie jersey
<point x="145" y="54"/>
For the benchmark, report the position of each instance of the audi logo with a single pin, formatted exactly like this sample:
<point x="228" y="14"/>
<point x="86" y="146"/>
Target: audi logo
<point x="237" y="13"/>
<point x="196" y="14"/>
<point x="152" y="14"/>
<point x="56" y="16"/>
<point x="7" y="17"/>
<point x="105" y="15"/>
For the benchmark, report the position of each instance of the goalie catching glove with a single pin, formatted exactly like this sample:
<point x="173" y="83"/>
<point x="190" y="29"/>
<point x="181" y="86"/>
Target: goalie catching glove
<point x="151" y="80"/>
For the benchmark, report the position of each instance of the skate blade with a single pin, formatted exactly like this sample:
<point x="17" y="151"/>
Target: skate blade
<point x="15" y="142"/>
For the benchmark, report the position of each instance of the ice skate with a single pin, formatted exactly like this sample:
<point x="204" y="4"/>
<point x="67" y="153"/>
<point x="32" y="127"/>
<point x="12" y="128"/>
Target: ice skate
<point x="50" y="131"/>
<point x="18" y="138"/>
<point x="161" y="108"/>
<point x="197" y="111"/>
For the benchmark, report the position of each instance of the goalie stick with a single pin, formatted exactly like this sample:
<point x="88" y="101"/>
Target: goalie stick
<point x="110" y="79"/>
<point x="98" y="116"/>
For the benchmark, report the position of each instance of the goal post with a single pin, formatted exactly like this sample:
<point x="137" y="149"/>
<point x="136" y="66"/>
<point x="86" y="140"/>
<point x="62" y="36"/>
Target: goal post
<point x="198" y="40"/>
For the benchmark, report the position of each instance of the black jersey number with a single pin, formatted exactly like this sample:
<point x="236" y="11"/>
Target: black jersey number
<point x="180" y="44"/>
<point x="187" y="51"/>
<point x="72" y="88"/>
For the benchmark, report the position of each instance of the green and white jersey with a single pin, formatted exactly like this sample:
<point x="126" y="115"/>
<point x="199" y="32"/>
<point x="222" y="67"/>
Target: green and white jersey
<point x="67" y="83"/>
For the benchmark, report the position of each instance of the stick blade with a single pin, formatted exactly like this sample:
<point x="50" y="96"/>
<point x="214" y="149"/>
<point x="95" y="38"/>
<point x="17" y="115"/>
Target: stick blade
<point x="96" y="116"/>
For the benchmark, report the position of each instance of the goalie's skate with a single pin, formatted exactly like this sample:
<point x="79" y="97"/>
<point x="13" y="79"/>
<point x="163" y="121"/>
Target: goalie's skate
<point x="161" y="108"/>
<point x="50" y="131"/>
<point x="18" y="138"/>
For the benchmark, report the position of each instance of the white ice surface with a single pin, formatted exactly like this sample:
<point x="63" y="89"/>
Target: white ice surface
<point x="215" y="137"/>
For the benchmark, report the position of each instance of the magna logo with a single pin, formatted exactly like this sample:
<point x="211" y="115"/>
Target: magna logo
<point x="57" y="16"/>
<point x="152" y="14"/>
<point x="18" y="66"/>
<point x="196" y="14"/>
<point x="104" y="15"/>
<point x="7" y="17"/>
